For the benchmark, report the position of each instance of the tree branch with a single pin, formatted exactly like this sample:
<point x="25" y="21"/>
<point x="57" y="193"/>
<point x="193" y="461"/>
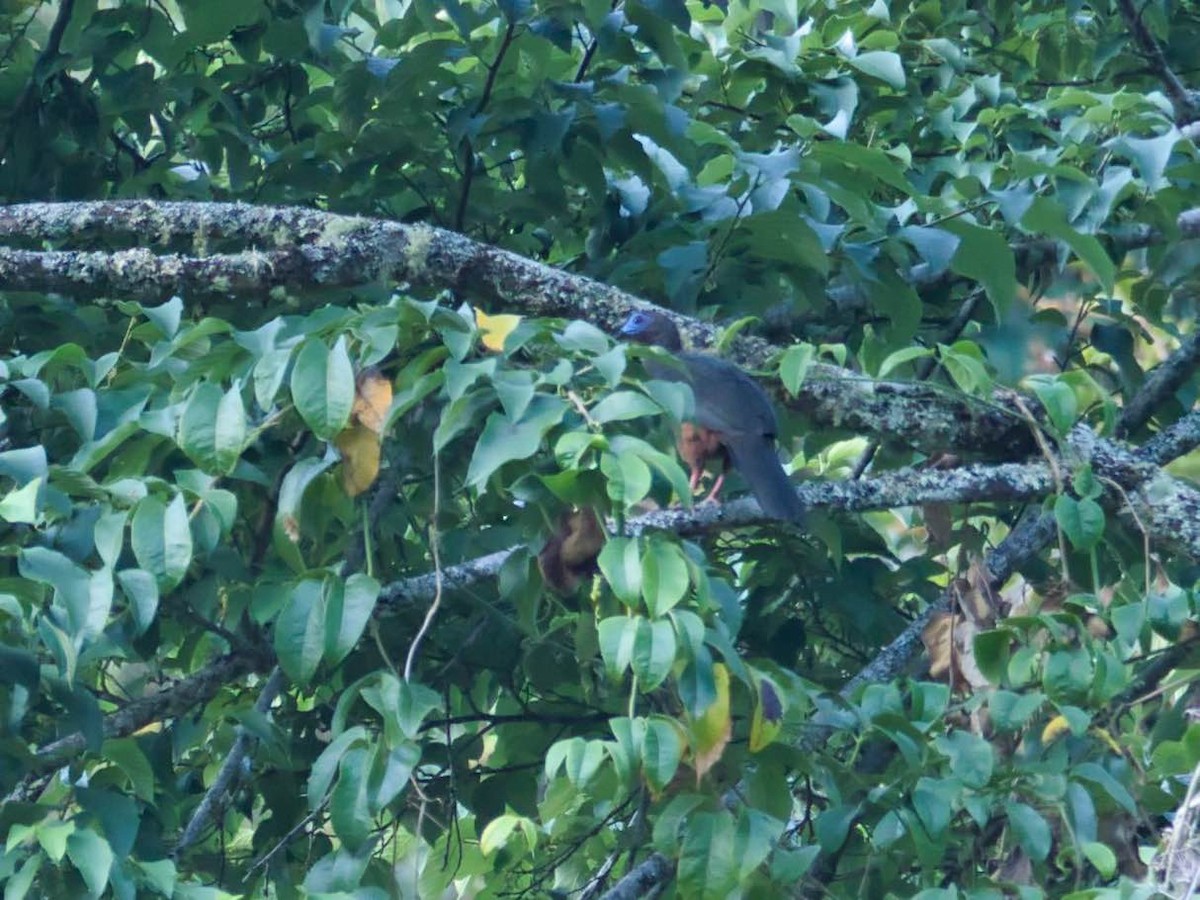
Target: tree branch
<point x="231" y="769"/>
<point x="168" y="703"/>
<point x="1185" y="106"/>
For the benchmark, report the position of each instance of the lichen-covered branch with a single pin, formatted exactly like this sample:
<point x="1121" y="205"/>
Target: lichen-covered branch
<point x="297" y="250"/>
<point x="183" y="695"/>
<point x="1163" y="381"/>
<point x="655" y="870"/>
<point x="231" y="769"/>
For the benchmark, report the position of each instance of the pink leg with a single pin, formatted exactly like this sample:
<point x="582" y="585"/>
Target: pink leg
<point x="712" y="495"/>
<point x="694" y="482"/>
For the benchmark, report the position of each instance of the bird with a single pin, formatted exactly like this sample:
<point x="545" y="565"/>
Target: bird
<point x="733" y="418"/>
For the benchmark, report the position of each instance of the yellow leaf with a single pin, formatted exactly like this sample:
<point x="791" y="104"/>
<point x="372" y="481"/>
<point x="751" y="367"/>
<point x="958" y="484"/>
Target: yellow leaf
<point x="372" y="398"/>
<point x="712" y="730"/>
<point x="495" y="328"/>
<point x="359" y="446"/>
<point x="1109" y="740"/>
<point x="768" y="713"/>
<point x="1055" y="728"/>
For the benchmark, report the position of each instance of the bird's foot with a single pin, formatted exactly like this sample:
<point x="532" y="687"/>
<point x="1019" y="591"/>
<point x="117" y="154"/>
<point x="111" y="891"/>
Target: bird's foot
<point x="712" y="495"/>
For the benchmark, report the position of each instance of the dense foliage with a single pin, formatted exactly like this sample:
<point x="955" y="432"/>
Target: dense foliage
<point x="983" y="194"/>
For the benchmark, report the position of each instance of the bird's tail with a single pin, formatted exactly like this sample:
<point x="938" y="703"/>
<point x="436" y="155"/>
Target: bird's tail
<point x="755" y="459"/>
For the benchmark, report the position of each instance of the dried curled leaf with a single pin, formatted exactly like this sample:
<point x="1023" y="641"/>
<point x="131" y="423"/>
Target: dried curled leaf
<point x="360" y="450"/>
<point x="372" y="399"/>
<point x="570" y="553"/>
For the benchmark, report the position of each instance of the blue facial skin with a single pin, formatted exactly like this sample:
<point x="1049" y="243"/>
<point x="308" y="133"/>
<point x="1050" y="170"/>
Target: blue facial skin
<point x="635" y="324"/>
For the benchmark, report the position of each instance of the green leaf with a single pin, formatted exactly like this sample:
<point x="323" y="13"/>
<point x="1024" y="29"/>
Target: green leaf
<point x="268" y="376"/>
<point x="92" y="856"/>
<point x="416" y="701"/>
<point x="653" y="652"/>
<point x="833" y="826"/>
<point x="621" y="406"/>
<point x="1030" y="829"/>
<point x="349" y="809"/>
<point x="900" y="357"/>
<point x="1011" y="711"/>
<point x="665" y="578"/>
<point x="18" y="885"/>
<point x="627" y="478"/>
<point x="794" y="365"/>
<point x="1150" y="156"/>
<point x="52" y="837"/>
<point x="971" y="757"/>
<point x="1100" y="856"/>
<point x="662" y="750"/>
<point x="212" y="428"/>
<point x="161" y="539"/>
<point x="1128" y="620"/>
<point x="390" y="774"/>
<point x="621" y="565"/>
<point x="707" y="867"/>
<point x="1047" y="216"/>
<point x="1082" y="521"/>
<point x="159" y="875"/>
<point x="323" y="770"/>
<point x="618" y="637"/>
<point x="504" y="441"/>
<point x="300" y="630"/>
<point x="1059" y="400"/>
<point x="166" y="317"/>
<point x="670" y="823"/>
<point x="25" y="464"/>
<point x="129" y="758"/>
<point x="1067" y="674"/>
<point x="286" y="532"/>
<point x="21" y="506"/>
<point x="323" y="387"/>
<point x="934" y="800"/>
<point x="348" y="611"/>
<point x="501" y="828"/>
<point x="936" y="246"/>
<point x="984" y="255"/>
<point x="1098" y="775"/>
<point x="580" y="759"/>
<point x="19" y="666"/>
<point x="992" y="654"/>
<point x="882" y="64"/>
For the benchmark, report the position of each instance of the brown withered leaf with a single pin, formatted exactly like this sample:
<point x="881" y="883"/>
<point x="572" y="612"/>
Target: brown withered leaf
<point x="570" y="553"/>
<point x="1016" y="868"/>
<point x="938" y="639"/>
<point x="939" y="523"/>
<point x="359" y="446"/>
<point x="372" y="399"/>
<point x="977" y="600"/>
<point x="950" y="642"/>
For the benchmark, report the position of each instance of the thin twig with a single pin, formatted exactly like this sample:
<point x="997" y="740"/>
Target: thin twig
<point x="460" y="214"/>
<point x="1185" y="106"/>
<point x="434" y="540"/>
<point x="283" y="841"/>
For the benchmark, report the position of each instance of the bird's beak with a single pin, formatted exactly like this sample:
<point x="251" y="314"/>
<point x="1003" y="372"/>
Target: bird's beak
<point x="628" y="329"/>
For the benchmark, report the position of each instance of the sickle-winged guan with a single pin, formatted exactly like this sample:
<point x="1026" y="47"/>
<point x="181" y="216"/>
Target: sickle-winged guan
<point x="734" y="419"/>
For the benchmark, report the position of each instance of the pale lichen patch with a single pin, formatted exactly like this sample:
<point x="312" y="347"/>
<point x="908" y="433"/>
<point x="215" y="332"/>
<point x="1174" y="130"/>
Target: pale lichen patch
<point x="416" y="253"/>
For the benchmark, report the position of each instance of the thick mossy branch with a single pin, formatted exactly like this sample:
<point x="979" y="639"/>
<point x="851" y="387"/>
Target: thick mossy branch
<point x="299" y="250"/>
